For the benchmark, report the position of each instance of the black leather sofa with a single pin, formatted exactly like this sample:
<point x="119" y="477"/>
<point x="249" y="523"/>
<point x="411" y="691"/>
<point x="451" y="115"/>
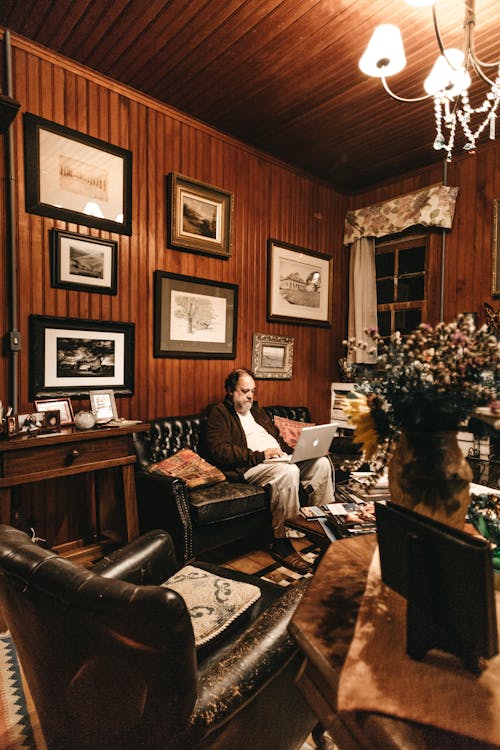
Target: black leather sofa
<point x="206" y="518"/>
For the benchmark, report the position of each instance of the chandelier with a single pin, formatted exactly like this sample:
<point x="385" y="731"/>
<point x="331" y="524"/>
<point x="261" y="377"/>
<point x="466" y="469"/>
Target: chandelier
<point x="447" y="83"/>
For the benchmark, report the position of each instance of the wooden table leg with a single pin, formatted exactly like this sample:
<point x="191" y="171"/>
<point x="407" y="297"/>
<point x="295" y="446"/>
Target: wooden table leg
<point x="130" y="501"/>
<point x="6" y="505"/>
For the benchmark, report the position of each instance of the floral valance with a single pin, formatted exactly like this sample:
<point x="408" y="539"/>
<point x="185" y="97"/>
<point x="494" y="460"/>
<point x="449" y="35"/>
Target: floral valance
<point x="431" y="207"/>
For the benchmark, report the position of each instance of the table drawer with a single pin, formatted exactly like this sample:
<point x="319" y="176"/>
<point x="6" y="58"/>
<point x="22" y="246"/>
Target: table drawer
<point x="39" y="459"/>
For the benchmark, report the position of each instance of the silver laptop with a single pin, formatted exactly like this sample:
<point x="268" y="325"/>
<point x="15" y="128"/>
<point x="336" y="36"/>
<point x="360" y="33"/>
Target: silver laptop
<point x="313" y="442"/>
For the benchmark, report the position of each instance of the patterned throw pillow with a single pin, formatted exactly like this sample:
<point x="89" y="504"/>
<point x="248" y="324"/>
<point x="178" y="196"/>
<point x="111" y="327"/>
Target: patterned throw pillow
<point x="189" y="466"/>
<point x="290" y="429"/>
<point x="213" y="602"/>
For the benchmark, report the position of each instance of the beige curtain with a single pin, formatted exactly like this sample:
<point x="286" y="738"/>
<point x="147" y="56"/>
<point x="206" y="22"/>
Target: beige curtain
<point x="362" y="296"/>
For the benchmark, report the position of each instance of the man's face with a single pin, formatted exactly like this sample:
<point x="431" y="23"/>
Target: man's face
<point x="243" y="394"/>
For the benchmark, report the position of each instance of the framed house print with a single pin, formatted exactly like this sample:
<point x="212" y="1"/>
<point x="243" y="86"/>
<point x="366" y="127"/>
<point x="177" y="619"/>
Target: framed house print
<point x="71" y="356"/>
<point x="86" y="264"/>
<point x="299" y="285"/>
<point x="272" y="356"/>
<point x="194" y="318"/>
<point x="74" y="177"/>
<point x="199" y="216"/>
<point x="495" y="279"/>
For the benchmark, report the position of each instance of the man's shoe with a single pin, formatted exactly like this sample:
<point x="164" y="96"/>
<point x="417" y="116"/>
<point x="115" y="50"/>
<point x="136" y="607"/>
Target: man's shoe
<point x="293" y="561"/>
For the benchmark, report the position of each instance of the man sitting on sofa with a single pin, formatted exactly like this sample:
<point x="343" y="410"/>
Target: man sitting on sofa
<point x="241" y="437"/>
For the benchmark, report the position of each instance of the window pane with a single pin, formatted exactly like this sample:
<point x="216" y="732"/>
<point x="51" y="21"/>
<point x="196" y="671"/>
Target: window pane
<point x="385" y="291"/>
<point x="407" y="320"/>
<point x="384" y="323"/>
<point x="410" y="289"/>
<point x="411" y="260"/>
<point x="384" y="264"/>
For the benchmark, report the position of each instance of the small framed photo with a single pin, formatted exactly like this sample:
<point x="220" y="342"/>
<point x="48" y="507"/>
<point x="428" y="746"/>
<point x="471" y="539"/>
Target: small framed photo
<point x="272" y="356"/>
<point x="12" y="426"/>
<point x="86" y="264"/>
<point x="32" y="423"/>
<point x="63" y="405"/>
<point x="194" y="318"/>
<point x="52" y="421"/>
<point x="495" y="285"/>
<point x="74" y="177"/>
<point x="103" y="405"/>
<point x="299" y="285"/>
<point x="200" y="216"/>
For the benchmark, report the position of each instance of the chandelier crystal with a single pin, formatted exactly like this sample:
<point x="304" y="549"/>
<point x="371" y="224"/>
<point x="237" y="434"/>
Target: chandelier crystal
<point x="448" y="82"/>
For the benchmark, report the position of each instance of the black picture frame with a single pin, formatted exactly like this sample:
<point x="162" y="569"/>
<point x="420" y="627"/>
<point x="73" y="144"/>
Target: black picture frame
<point x="199" y="216"/>
<point x="72" y="356"/>
<point x="213" y="334"/>
<point x="75" y="177"/>
<point x="299" y="285"/>
<point x="83" y="263"/>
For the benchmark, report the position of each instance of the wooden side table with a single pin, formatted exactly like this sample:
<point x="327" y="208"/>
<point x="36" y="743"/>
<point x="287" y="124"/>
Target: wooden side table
<point x="323" y="627"/>
<point x="33" y="459"/>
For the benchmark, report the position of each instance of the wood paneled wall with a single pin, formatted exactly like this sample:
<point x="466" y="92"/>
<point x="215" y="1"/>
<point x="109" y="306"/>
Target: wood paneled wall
<point x="271" y="200"/>
<point x="468" y="246"/>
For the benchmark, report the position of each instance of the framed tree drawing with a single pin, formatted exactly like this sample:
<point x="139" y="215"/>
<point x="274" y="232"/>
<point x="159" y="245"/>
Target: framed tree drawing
<point x="194" y="318"/>
<point x="299" y="285"/>
<point x="74" y="177"/>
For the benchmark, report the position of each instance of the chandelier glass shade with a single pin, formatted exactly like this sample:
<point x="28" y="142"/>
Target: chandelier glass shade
<point x="448" y="82"/>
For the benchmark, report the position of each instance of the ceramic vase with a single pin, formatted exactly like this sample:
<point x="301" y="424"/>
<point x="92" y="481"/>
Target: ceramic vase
<point x="429" y="474"/>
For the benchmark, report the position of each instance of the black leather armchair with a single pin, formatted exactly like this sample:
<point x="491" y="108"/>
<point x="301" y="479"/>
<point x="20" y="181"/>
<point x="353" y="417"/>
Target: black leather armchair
<point x="206" y="518"/>
<point x="110" y="659"/>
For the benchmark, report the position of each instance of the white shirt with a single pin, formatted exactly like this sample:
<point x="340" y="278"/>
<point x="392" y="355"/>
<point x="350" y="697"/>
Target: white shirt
<point x="258" y="439"/>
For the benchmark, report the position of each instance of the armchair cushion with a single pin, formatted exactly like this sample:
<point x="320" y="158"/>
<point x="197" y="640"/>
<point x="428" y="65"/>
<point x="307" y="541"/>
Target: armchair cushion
<point x="189" y="466"/>
<point x="213" y="602"/>
<point x="290" y="429"/>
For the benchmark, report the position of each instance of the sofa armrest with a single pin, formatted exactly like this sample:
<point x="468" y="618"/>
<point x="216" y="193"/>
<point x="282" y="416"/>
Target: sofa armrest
<point x="163" y="501"/>
<point x="148" y="560"/>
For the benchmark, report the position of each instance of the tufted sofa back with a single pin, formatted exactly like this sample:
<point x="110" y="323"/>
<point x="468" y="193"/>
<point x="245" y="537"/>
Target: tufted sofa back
<point x="167" y="435"/>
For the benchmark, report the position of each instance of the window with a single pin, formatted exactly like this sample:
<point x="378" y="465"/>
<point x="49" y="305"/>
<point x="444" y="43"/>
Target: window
<point x="400" y="266"/>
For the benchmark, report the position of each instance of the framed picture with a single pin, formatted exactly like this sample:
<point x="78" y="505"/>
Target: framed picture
<point x="52" y="421"/>
<point x="194" y="318"/>
<point x="74" y="177"/>
<point x="103" y="405"/>
<point x="87" y="264"/>
<point x="12" y="425"/>
<point x="272" y="356"/>
<point x="495" y="288"/>
<point x="32" y="424"/>
<point x="200" y="216"/>
<point x="71" y="356"/>
<point x="63" y="405"/>
<point x="299" y="285"/>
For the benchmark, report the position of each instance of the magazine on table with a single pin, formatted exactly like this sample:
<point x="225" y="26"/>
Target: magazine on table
<point x="347" y="519"/>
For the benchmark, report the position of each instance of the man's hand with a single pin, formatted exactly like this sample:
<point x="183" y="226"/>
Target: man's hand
<point x="272" y="453"/>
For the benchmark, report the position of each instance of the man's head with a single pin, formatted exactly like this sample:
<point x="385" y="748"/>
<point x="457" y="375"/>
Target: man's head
<point x="240" y="387"/>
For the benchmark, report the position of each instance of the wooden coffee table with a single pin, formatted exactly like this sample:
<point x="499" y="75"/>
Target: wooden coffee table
<point x="312" y="529"/>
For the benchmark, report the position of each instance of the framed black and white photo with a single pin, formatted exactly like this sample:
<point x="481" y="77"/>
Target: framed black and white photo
<point x="299" y="285"/>
<point x="86" y="264"/>
<point x="272" y="356"/>
<point x="63" y="405"/>
<point x="495" y="284"/>
<point x="199" y="216"/>
<point x="194" y="318"/>
<point x="71" y="356"/>
<point x="74" y="177"/>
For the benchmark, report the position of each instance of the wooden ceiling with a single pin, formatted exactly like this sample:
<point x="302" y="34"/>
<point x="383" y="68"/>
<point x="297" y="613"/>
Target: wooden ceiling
<point x="280" y="74"/>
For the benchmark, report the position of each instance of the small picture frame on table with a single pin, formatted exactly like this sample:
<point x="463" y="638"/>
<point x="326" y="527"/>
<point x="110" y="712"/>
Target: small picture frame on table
<point x="63" y="405"/>
<point x="52" y="421"/>
<point x="103" y="406"/>
<point x="12" y="426"/>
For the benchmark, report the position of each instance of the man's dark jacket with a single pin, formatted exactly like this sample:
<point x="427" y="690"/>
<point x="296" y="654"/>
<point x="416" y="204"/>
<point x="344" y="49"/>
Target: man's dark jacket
<point x="225" y="441"/>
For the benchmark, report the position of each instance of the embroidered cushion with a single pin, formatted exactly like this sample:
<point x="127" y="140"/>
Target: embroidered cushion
<point x="213" y="602"/>
<point x="189" y="466"/>
<point x="290" y="429"/>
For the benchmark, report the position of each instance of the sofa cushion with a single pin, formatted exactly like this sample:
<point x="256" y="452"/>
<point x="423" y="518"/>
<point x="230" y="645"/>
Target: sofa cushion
<point x="214" y="602"/>
<point x="290" y="429"/>
<point x="189" y="466"/>
<point x="225" y="501"/>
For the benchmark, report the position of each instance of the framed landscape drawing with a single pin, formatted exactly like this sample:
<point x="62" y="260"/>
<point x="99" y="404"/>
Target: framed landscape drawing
<point x="194" y="318"/>
<point x="495" y="286"/>
<point x="74" y="177"/>
<point x="299" y="285"/>
<point x="87" y="264"/>
<point x="272" y="356"/>
<point x="199" y="216"/>
<point x="71" y="356"/>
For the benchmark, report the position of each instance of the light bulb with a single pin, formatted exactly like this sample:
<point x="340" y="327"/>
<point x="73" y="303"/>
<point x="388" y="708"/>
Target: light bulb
<point x="384" y="55"/>
<point x="448" y="75"/>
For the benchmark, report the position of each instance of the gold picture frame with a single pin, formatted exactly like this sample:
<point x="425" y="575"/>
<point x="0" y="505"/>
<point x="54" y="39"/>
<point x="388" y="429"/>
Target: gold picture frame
<point x="272" y="356"/>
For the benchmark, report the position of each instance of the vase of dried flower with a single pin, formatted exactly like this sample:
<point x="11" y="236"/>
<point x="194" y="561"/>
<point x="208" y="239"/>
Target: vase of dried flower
<point x="429" y="474"/>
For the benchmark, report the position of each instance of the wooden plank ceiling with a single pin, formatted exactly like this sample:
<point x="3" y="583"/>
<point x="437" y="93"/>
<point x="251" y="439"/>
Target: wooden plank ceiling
<point x="280" y="74"/>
